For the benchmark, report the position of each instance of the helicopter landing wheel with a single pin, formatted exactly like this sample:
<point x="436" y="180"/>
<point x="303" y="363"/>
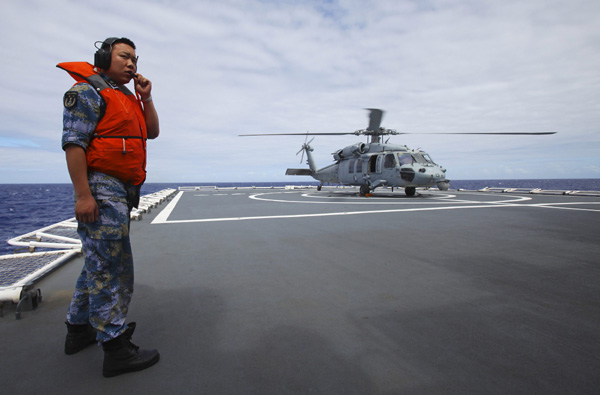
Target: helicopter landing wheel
<point x="410" y="191"/>
<point x="319" y="187"/>
<point x="364" y="190"/>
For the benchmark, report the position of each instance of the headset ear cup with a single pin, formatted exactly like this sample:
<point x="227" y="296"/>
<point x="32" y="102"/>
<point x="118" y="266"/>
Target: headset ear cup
<point x="103" y="55"/>
<point x="102" y="59"/>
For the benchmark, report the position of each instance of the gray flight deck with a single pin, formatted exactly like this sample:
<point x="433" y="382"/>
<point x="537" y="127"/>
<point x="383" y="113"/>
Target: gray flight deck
<point x="294" y="291"/>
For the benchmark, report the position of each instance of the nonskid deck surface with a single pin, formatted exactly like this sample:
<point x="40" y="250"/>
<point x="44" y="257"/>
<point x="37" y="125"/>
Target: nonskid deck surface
<point x="299" y="291"/>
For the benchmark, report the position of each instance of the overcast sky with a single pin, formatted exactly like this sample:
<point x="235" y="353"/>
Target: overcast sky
<point x="229" y="67"/>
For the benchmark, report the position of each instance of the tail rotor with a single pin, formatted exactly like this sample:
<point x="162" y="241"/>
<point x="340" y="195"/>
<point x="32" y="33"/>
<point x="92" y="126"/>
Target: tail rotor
<point x="305" y="146"/>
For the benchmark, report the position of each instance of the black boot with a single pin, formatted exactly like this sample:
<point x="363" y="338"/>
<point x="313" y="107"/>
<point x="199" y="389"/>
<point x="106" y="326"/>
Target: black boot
<point x="122" y="356"/>
<point x="79" y="337"/>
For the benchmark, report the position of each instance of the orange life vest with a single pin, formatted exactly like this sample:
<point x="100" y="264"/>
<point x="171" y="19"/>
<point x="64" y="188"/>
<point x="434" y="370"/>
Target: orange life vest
<point x="118" y="147"/>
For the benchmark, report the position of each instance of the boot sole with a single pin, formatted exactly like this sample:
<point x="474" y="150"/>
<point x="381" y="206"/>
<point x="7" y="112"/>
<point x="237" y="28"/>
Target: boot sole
<point x="130" y="370"/>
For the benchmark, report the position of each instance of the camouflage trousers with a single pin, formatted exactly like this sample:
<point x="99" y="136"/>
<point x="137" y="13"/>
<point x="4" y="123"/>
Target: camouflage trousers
<point x="105" y="286"/>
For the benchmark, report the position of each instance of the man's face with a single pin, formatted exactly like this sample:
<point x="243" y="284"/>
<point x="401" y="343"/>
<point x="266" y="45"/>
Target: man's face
<point x="123" y="63"/>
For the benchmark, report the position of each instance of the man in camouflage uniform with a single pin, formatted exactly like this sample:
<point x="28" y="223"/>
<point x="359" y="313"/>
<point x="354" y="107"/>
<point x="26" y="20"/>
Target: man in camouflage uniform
<point x="105" y="241"/>
<point x="103" y="203"/>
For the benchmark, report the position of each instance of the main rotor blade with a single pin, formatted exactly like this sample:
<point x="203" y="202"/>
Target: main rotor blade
<point x="375" y="116"/>
<point x="398" y="133"/>
<point x="294" y="134"/>
<point x="496" y="133"/>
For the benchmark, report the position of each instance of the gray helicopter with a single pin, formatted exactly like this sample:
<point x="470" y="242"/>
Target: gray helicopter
<point x="376" y="164"/>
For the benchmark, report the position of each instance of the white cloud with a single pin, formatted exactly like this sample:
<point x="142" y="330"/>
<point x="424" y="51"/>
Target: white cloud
<point x="220" y="69"/>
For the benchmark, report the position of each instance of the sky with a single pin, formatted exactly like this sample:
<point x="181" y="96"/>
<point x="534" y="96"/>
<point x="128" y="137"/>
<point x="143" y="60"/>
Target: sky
<point x="229" y="67"/>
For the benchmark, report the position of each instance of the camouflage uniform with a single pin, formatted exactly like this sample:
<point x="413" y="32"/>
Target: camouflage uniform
<point x="105" y="286"/>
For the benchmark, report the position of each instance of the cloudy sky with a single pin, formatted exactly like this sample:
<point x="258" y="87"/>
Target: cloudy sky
<point x="229" y="67"/>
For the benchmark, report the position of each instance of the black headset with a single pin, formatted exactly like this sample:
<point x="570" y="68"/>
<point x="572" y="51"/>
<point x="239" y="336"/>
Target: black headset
<point x="102" y="56"/>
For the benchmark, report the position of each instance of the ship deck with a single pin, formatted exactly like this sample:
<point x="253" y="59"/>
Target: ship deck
<point x="281" y="291"/>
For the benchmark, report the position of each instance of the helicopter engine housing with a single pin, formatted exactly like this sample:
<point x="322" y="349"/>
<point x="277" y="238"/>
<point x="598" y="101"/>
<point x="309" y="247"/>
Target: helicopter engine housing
<point x="351" y="151"/>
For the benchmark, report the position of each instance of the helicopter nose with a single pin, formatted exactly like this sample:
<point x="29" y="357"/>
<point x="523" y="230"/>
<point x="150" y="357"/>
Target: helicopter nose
<point x="431" y="174"/>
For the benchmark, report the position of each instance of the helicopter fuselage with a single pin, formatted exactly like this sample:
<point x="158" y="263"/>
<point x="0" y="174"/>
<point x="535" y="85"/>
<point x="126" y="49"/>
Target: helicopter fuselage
<point x="376" y="165"/>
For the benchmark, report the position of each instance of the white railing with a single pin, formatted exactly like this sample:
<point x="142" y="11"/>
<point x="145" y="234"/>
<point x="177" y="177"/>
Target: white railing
<point x="19" y="271"/>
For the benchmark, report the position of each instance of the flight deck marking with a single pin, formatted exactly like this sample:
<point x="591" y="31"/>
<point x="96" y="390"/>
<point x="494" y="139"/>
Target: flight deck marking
<point x="553" y="205"/>
<point x="163" y="216"/>
<point x="185" y="221"/>
<point x="363" y="200"/>
<point x="370" y="202"/>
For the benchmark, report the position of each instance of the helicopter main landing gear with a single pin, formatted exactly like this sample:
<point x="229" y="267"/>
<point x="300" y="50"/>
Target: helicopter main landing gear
<point x="410" y="191"/>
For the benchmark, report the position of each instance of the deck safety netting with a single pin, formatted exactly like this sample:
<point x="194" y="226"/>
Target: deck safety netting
<point x="18" y="266"/>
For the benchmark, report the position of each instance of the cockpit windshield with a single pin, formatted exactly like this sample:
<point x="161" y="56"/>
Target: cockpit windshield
<point x="428" y="158"/>
<point x="422" y="157"/>
<point x="419" y="158"/>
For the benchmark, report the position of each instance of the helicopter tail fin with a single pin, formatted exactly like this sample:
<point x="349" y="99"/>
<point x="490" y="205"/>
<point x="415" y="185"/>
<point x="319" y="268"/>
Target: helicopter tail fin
<point x="309" y="159"/>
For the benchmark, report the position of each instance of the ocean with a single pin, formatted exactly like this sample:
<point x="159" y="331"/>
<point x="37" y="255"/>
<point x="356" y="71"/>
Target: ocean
<point x="28" y="207"/>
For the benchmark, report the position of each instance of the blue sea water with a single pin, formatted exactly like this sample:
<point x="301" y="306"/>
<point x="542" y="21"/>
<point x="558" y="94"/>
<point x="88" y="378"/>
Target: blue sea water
<point x="28" y="207"/>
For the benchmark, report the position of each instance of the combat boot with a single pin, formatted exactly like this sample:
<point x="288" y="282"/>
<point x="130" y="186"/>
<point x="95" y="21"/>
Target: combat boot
<point x="79" y="337"/>
<point x="122" y="356"/>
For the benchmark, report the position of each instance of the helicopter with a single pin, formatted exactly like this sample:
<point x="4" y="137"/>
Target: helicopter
<point x="376" y="164"/>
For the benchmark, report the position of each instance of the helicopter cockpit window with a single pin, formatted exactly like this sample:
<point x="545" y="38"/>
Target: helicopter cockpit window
<point x="419" y="158"/>
<point x="389" y="162"/>
<point x="428" y="158"/>
<point x="351" y="166"/>
<point x="359" y="164"/>
<point x="405" y="159"/>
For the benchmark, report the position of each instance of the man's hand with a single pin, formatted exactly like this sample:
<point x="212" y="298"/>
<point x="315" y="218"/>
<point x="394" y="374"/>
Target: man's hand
<point x="143" y="86"/>
<point x="86" y="209"/>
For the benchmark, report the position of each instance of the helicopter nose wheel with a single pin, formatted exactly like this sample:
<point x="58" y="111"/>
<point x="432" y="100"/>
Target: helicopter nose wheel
<point x="364" y="190"/>
<point x="410" y="191"/>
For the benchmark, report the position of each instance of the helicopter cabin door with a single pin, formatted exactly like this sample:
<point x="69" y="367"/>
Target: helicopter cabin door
<point x="390" y="168"/>
<point x="375" y="164"/>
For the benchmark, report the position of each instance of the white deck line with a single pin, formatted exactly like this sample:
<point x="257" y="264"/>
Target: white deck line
<point x="163" y="216"/>
<point x="164" y="220"/>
